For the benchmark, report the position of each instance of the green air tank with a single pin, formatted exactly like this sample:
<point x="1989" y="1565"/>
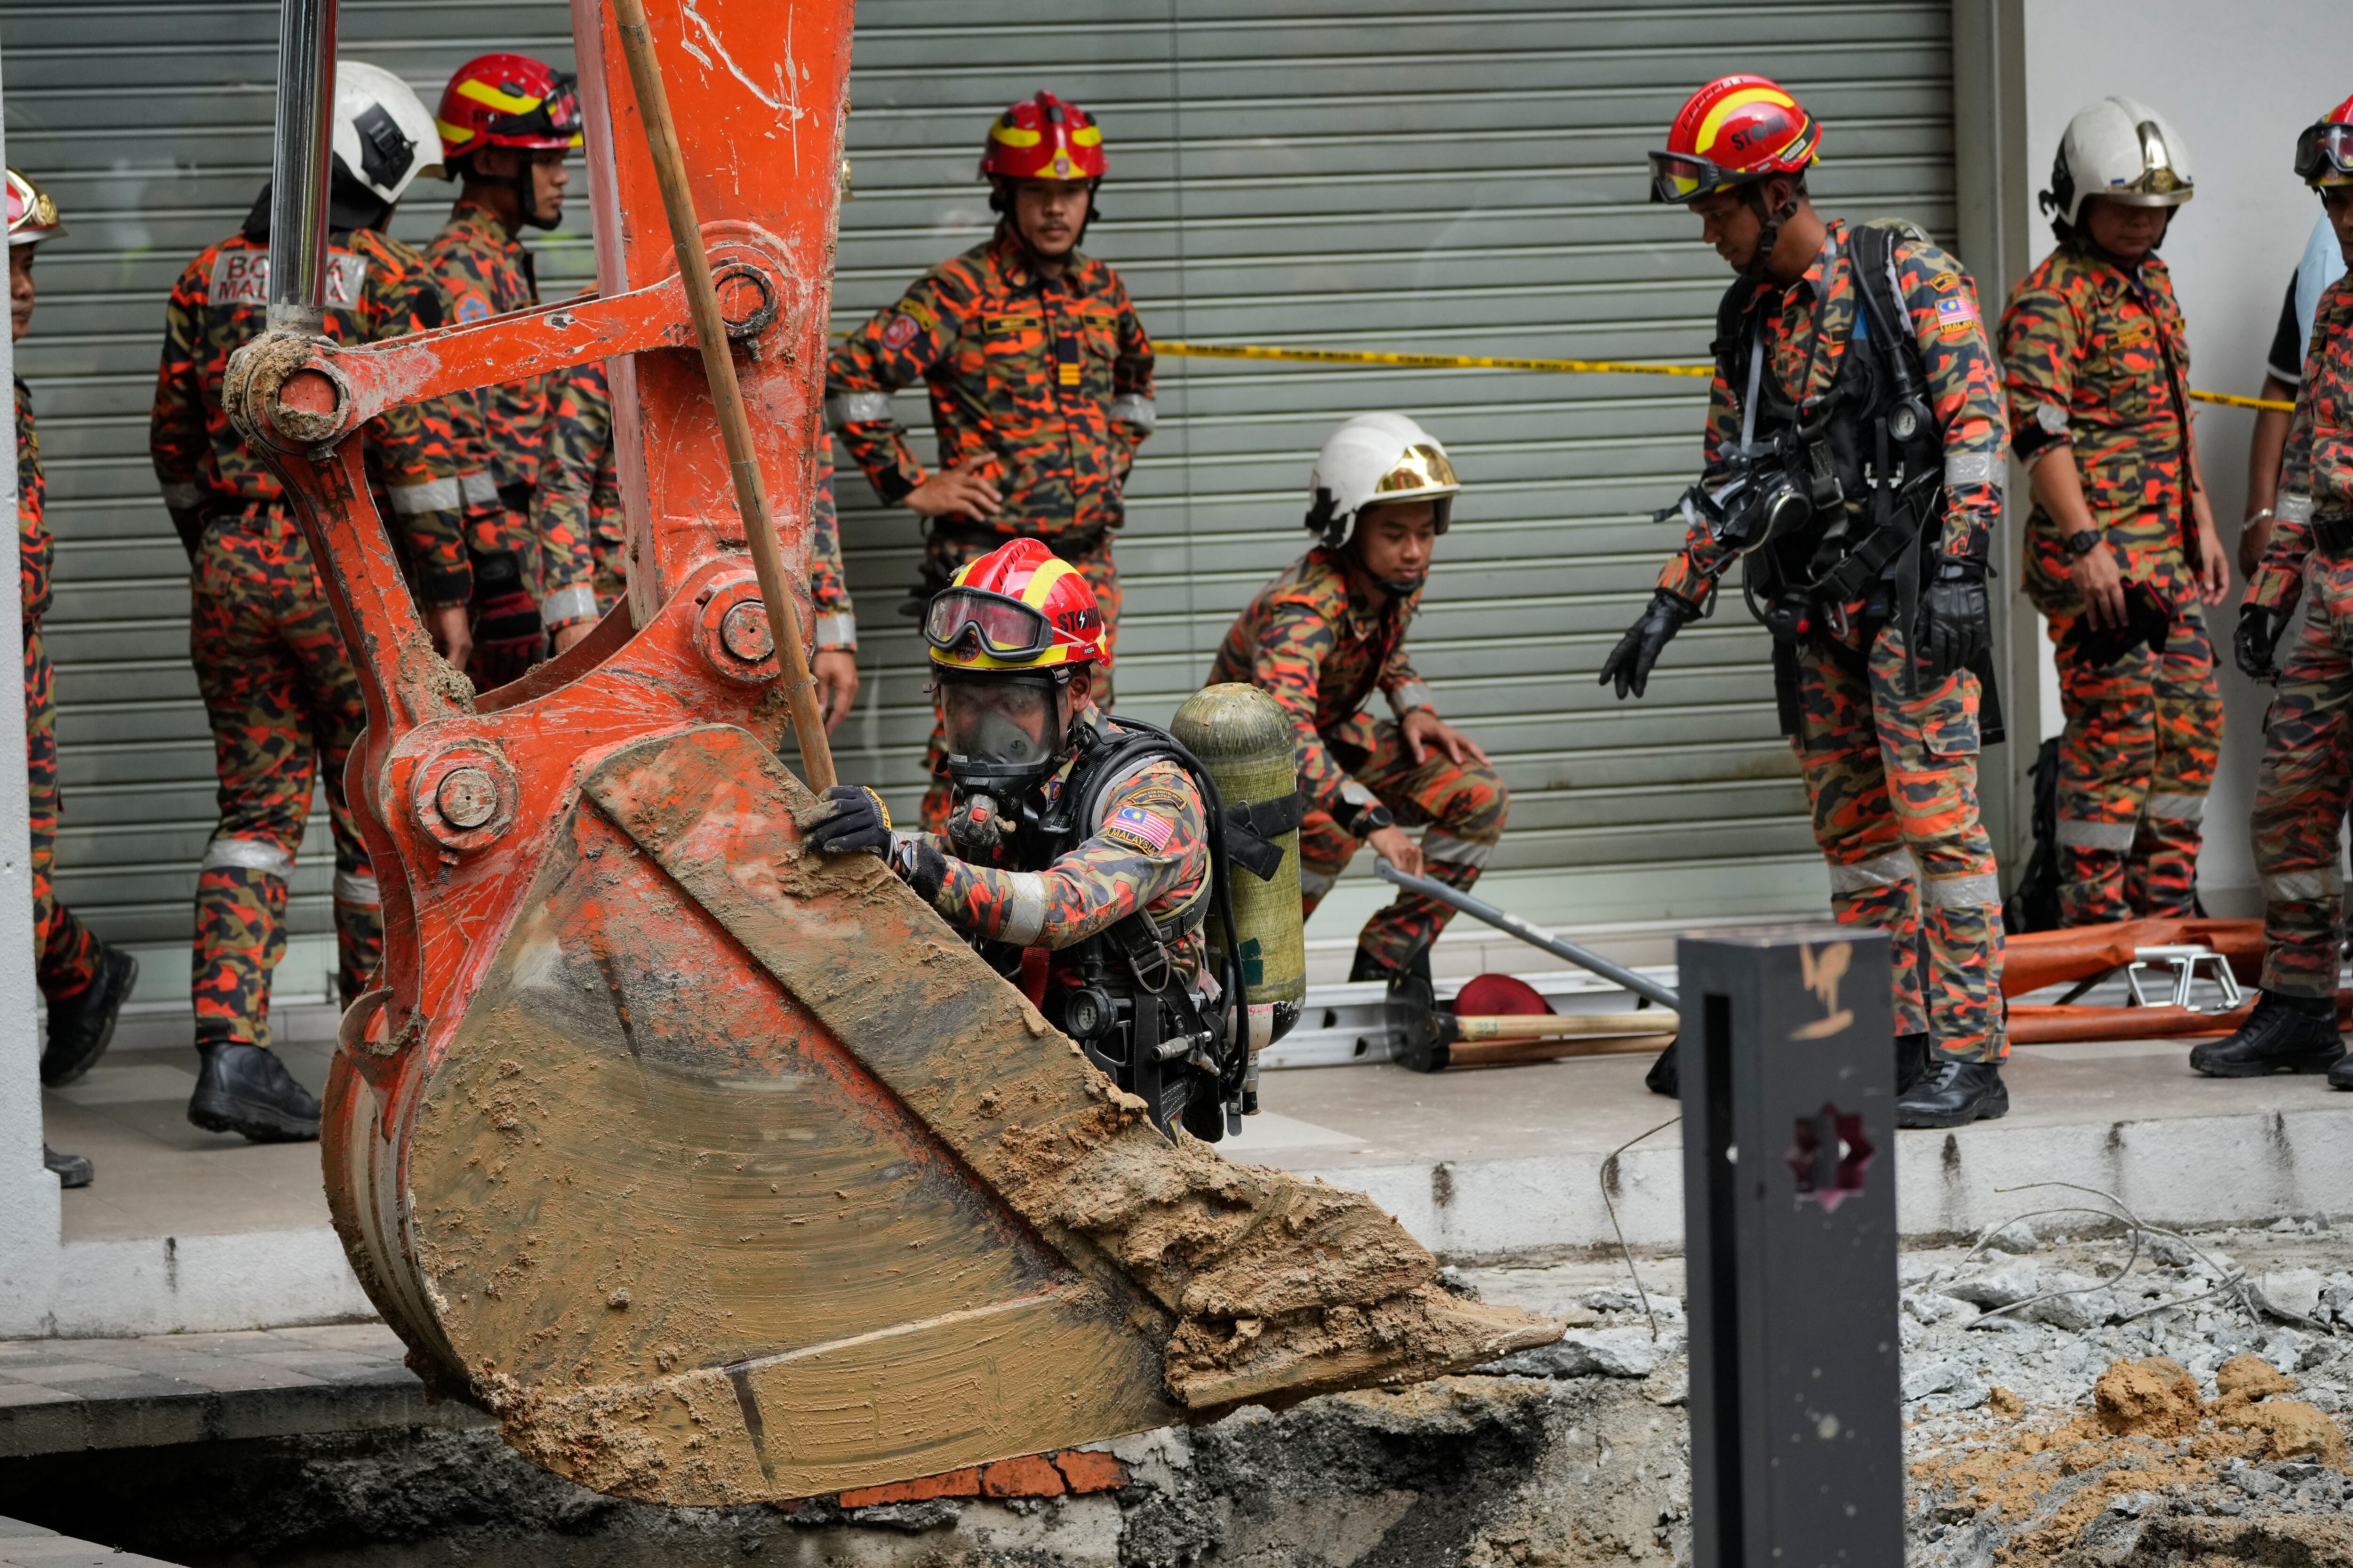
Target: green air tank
<point x="1245" y="739"/>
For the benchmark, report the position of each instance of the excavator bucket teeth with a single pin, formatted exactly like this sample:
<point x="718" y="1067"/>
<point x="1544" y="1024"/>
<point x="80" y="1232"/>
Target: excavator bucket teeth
<point x="744" y="1179"/>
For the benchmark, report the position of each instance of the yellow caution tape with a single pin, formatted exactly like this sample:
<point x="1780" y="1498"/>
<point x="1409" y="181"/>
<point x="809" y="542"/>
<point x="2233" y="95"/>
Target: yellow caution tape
<point x="1482" y="361"/>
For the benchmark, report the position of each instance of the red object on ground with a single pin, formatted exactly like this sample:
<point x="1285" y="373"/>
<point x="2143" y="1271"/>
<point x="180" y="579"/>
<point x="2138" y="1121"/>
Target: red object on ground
<point x="1484" y="996"/>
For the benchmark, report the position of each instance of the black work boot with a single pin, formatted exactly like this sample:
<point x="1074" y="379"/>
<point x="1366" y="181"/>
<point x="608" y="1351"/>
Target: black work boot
<point x="1954" y="1094"/>
<point x="1412" y="1002"/>
<point x="81" y="1027"/>
<point x="1911" y="1061"/>
<point x="70" y="1170"/>
<point x="1665" y="1076"/>
<point x="2286" y="1034"/>
<point x="245" y="1088"/>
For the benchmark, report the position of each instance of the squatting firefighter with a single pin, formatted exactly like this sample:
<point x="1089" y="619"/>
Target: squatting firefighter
<point x="1854" y="468"/>
<point x="84" y="981"/>
<point x="1328" y="633"/>
<point x="2121" y="551"/>
<point x="1040" y="378"/>
<point x="506" y="124"/>
<point x="278" y="686"/>
<point x="2300" y="793"/>
<point x="1071" y="834"/>
<point x="579" y="497"/>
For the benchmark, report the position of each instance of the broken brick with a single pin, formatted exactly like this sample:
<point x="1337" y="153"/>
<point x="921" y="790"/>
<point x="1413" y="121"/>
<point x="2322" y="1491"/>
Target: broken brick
<point x="1032" y="1475"/>
<point x="955" y="1483"/>
<point x="1089" y="1471"/>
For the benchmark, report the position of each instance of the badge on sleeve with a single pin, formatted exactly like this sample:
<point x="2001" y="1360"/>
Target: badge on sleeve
<point x="1957" y="316"/>
<point x="900" y="332"/>
<point x="473" y="307"/>
<point x="1147" y="830"/>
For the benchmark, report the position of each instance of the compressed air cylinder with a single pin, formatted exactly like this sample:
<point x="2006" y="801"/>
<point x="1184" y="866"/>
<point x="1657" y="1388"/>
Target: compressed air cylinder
<point x="1245" y="739"/>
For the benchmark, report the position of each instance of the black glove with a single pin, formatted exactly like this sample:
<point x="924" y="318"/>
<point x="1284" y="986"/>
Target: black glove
<point x="1630" y="662"/>
<point x="1956" y="622"/>
<point x="2255" y="645"/>
<point x="854" y="821"/>
<point x="919" y="864"/>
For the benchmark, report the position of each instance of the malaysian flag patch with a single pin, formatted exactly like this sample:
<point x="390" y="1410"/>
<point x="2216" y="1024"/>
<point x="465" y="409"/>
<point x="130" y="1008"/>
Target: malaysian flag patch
<point x="1956" y="315"/>
<point x="1146" y="829"/>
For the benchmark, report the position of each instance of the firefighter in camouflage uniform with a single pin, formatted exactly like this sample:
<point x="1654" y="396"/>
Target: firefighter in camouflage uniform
<point x="2121" y="552"/>
<point x="84" y="982"/>
<point x="579" y="497"/>
<point x="1834" y="342"/>
<point x="2302" y="593"/>
<point x="1016" y="642"/>
<point x="278" y="686"/>
<point x="507" y="122"/>
<point x="1040" y="378"/>
<point x="1327" y="633"/>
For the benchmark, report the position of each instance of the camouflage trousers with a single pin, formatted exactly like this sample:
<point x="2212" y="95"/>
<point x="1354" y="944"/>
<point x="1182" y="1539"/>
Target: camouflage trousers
<point x="1460" y="806"/>
<point x="66" y="954"/>
<point x="942" y="557"/>
<point x="1892" y="781"/>
<point x="285" y="709"/>
<point x="2143" y="737"/>
<point x="2302" y="788"/>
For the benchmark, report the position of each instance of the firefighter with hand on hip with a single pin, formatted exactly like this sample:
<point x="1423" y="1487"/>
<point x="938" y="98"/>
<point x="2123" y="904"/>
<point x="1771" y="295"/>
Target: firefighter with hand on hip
<point x="1855" y="469"/>
<point x="2121" y="552"/>
<point x="1041" y="379"/>
<point x="2301" y="789"/>
<point x="1327" y="633"/>
<point x="1085" y="841"/>
<point x="83" y="980"/>
<point x="278" y="688"/>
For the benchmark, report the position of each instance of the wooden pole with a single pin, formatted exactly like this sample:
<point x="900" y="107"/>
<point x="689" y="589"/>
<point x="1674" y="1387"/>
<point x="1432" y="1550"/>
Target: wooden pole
<point x="726" y="393"/>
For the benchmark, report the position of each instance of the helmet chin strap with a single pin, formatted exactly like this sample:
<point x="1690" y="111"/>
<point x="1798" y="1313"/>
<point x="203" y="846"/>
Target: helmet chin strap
<point x="525" y="185"/>
<point x="1768" y="232"/>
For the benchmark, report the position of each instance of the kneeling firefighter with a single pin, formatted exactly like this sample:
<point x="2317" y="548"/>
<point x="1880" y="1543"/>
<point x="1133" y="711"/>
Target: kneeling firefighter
<point x="1854" y="469"/>
<point x="1088" y="857"/>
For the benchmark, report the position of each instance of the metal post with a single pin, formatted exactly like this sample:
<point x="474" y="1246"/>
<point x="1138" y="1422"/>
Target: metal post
<point x="1789" y="1244"/>
<point x="299" y="172"/>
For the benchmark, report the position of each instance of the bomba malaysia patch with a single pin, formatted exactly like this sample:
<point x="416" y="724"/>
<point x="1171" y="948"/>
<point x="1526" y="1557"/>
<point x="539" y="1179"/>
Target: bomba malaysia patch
<point x="1957" y="316"/>
<point x="1146" y="829"/>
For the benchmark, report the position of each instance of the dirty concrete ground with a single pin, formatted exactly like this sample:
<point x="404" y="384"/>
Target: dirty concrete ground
<point x="2058" y="1412"/>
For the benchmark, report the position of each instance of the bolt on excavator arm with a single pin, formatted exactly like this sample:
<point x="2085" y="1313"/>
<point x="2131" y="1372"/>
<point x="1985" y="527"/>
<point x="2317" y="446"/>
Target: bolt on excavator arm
<point x="722" y="1173"/>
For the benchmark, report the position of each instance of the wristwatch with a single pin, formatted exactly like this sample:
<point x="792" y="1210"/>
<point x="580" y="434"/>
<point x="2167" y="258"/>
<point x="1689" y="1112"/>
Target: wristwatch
<point x="2082" y="541"/>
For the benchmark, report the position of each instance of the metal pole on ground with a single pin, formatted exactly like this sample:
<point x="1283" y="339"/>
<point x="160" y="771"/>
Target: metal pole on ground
<point x="1789" y="1244"/>
<point x="1480" y="910"/>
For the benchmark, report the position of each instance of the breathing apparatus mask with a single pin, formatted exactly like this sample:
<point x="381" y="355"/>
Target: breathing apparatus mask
<point x="1005" y="728"/>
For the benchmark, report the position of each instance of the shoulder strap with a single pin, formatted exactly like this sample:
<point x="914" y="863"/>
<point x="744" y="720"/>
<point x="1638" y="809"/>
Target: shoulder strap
<point x="1872" y="252"/>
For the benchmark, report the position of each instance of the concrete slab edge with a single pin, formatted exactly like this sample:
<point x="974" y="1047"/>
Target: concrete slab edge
<point x="197" y="1284"/>
<point x="2222" y="1169"/>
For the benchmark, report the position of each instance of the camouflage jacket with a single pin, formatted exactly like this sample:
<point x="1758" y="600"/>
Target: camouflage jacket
<point x="579" y="498"/>
<point x="1321" y="642"/>
<point x="377" y="288"/>
<point x="36" y="550"/>
<point x="2097" y="359"/>
<point x="1150" y="849"/>
<point x="1808" y="329"/>
<point x="1050" y="376"/>
<point x="2317" y="476"/>
<point x="485" y="272"/>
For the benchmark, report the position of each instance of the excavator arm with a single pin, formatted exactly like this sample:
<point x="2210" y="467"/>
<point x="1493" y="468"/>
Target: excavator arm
<point x="722" y="1172"/>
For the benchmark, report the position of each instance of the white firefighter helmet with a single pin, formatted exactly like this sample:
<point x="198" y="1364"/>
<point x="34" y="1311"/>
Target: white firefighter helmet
<point x="1373" y="459"/>
<point x="384" y="133"/>
<point x="2122" y="149"/>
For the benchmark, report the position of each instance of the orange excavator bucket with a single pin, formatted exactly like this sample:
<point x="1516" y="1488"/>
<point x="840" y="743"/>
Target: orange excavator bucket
<point x="721" y="1173"/>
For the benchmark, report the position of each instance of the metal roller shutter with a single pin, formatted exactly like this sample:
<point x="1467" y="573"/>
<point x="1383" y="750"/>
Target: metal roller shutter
<point x="1394" y="175"/>
<point x="150" y="126"/>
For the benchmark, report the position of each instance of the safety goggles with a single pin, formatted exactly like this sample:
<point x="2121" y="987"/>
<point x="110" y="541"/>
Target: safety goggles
<point x="2324" y="154"/>
<point x="557" y="118"/>
<point x="999" y="626"/>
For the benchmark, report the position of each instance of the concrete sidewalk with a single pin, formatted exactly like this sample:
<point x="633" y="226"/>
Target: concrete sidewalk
<point x="25" y="1545"/>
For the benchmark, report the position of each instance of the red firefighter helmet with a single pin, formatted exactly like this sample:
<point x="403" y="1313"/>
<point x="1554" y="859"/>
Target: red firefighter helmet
<point x="32" y="216"/>
<point x="508" y="101"/>
<point x="1019" y="607"/>
<point x="2323" y="153"/>
<point x="1042" y="138"/>
<point x="1736" y="130"/>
